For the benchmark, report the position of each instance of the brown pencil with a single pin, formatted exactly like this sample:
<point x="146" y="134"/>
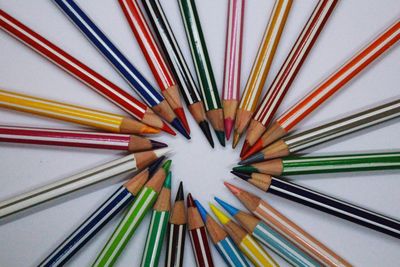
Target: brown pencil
<point x="177" y="231"/>
<point x="287" y="228"/>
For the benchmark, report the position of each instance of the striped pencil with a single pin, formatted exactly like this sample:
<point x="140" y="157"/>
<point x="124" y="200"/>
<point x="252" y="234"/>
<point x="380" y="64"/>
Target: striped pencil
<point x="72" y="113"/>
<point x="233" y="60"/>
<point x="173" y="54"/>
<point x="250" y="247"/>
<point x="288" y="72"/>
<point x="324" y="164"/>
<point x="203" y="67"/>
<point x="269" y="237"/>
<point x="130" y="163"/>
<point x="159" y="67"/>
<point x="261" y="66"/>
<point x="329" y="86"/>
<point x="132" y="219"/>
<point x="70" y="138"/>
<point x="81" y="72"/>
<point x="222" y="242"/>
<point x="177" y="231"/>
<point x="325" y="203"/>
<point x="95" y="222"/>
<point x="158" y="226"/>
<point x="287" y="228"/>
<point x="198" y="235"/>
<point x="134" y="78"/>
<point x="332" y="130"/>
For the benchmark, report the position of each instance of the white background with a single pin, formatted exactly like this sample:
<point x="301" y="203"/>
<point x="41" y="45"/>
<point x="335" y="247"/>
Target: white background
<point x="26" y="240"/>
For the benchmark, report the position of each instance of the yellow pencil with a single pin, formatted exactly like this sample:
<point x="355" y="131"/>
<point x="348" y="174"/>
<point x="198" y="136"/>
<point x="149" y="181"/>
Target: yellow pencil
<point x="261" y="66"/>
<point x="248" y="245"/>
<point x="88" y="117"/>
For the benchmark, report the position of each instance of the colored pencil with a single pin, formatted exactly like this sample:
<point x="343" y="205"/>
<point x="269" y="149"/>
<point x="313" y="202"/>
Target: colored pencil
<point x="130" y="163"/>
<point x="332" y="130"/>
<point x="250" y="247"/>
<point x="80" y="71"/>
<point x="269" y="237"/>
<point x="330" y="86"/>
<point x="288" y="72"/>
<point x="176" y="232"/>
<point x="261" y="66"/>
<point x="201" y="60"/>
<point x="134" y="78"/>
<point x="159" y="67"/>
<point x="222" y="242"/>
<point x="325" y="164"/>
<point x="132" y="219"/>
<point x="233" y="60"/>
<point x="198" y="235"/>
<point x="173" y="54"/>
<point x="100" y="217"/>
<point x="287" y="228"/>
<point x="158" y="226"/>
<point x="72" y="113"/>
<point x="72" y="138"/>
<point x="323" y="202"/>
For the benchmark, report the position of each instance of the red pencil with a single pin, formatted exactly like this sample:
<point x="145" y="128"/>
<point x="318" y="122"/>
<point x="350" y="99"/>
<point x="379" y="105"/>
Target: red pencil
<point x="82" y="72"/>
<point x="198" y="235"/>
<point x="288" y="72"/>
<point x="329" y="87"/>
<point x="158" y="65"/>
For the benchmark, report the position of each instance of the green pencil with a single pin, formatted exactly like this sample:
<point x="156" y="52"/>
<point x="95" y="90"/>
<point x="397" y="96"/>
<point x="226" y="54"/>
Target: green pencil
<point x="132" y="219"/>
<point x="158" y="226"/>
<point x="325" y="164"/>
<point x="203" y="67"/>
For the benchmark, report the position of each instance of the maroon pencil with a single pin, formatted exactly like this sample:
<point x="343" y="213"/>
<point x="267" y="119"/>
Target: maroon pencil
<point x="198" y="235"/>
<point x="288" y="72"/>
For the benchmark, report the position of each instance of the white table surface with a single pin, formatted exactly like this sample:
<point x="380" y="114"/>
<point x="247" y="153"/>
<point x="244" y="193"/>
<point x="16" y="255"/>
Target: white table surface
<point x="25" y="240"/>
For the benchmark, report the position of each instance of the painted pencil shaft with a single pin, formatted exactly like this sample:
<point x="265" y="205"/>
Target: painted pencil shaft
<point x="158" y="226"/>
<point x="269" y="237"/>
<point x="154" y="58"/>
<point x="233" y="60"/>
<point x="134" y="78"/>
<point x="79" y="70"/>
<point x="71" y="113"/>
<point x="324" y="133"/>
<point x="72" y="138"/>
<point x="288" y="71"/>
<point x="288" y="228"/>
<point x="79" y="181"/>
<point x="132" y="219"/>
<point x="261" y="66"/>
<point x="179" y="67"/>
<point x="95" y="222"/>
<point x="203" y="66"/>
<point x="332" y="84"/>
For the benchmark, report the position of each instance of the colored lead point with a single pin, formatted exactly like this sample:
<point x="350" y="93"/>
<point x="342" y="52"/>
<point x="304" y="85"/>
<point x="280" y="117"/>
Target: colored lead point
<point x="228" y="124"/>
<point x="180" y="113"/>
<point x="177" y="124"/>
<point x="205" y="128"/>
<point x="221" y="137"/>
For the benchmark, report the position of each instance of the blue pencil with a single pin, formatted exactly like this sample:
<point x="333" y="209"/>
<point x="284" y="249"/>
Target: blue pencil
<point x="222" y="242"/>
<point x="269" y="237"/>
<point x="95" y="222"/>
<point x="134" y="78"/>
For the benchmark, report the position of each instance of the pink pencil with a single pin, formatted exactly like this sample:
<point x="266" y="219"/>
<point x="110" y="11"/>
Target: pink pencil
<point x="233" y="59"/>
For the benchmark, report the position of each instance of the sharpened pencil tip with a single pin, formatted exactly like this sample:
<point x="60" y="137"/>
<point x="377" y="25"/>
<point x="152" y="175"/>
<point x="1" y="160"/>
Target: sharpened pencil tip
<point x="236" y="139"/>
<point x="157" y="145"/>
<point x="245" y="148"/>
<point x="230" y="209"/>
<point x="168" y="129"/>
<point x="205" y="128"/>
<point x="219" y="214"/>
<point x="228" y="124"/>
<point x="254" y="149"/>
<point x="180" y="195"/>
<point x="177" y="124"/>
<point x="235" y="190"/>
<point x="221" y="137"/>
<point x="241" y="175"/>
<point x="253" y="159"/>
<point x="149" y="130"/>
<point x="190" y="201"/>
<point x="167" y="165"/>
<point x="202" y="211"/>
<point x="168" y="181"/>
<point x="245" y="168"/>
<point x="154" y="166"/>
<point x="180" y="113"/>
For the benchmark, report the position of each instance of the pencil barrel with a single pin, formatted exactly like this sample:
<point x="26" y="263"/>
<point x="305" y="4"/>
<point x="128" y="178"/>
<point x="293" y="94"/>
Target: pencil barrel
<point x="176" y="245"/>
<point x="230" y="253"/>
